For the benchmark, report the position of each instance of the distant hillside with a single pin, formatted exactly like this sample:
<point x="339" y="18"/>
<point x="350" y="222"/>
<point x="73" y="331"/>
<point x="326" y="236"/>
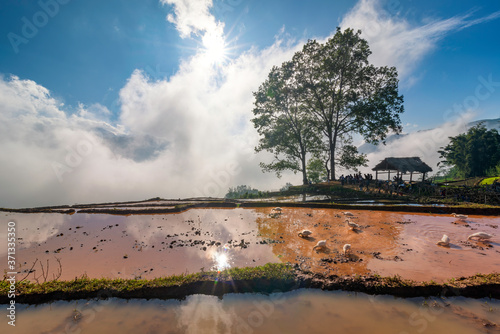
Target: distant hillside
<point x="488" y="123"/>
<point x="370" y="148"/>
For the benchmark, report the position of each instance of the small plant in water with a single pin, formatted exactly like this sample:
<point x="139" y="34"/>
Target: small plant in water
<point x="488" y="307"/>
<point x="77" y="315"/>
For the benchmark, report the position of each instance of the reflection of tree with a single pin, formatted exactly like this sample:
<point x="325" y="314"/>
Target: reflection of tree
<point x="45" y="271"/>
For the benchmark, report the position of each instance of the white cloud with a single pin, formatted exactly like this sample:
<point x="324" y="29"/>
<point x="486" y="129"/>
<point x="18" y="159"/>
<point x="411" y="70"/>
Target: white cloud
<point x="396" y="42"/>
<point x="192" y="16"/>
<point x="189" y="135"/>
<point x="94" y="111"/>
<point x="423" y="144"/>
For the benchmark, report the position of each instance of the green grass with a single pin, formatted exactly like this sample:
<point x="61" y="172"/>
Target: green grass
<point x="395" y="281"/>
<point x="489" y="181"/>
<point x="270" y="271"/>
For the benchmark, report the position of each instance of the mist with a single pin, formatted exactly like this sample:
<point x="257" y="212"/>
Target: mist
<point x="185" y="135"/>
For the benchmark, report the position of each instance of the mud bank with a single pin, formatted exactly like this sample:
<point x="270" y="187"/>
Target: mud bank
<point x="177" y="206"/>
<point x="479" y="286"/>
<point x="160" y="245"/>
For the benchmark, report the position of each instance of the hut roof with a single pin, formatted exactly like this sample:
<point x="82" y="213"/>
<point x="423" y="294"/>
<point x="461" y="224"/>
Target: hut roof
<point x="403" y="165"/>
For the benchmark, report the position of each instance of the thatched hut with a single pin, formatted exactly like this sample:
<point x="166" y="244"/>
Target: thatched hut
<point x="402" y="166"/>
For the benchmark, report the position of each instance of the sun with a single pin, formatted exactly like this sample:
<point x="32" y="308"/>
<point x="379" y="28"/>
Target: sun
<point x="221" y="259"/>
<point x="215" y="48"/>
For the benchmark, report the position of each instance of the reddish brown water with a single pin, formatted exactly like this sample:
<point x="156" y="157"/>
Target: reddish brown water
<point x="303" y="311"/>
<point x="138" y="245"/>
<point x="387" y="243"/>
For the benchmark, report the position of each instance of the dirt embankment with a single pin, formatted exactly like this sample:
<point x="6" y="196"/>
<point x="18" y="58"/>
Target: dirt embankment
<point x="145" y="207"/>
<point x="481" y="286"/>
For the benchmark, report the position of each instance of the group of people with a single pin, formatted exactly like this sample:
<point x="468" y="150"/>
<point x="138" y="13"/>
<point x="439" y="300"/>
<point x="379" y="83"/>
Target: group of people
<point x="396" y="186"/>
<point x="357" y="178"/>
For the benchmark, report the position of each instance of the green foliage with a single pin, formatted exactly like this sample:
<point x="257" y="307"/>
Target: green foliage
<point x="242" y="191"/>
<point x="286" y="187"/>
<point x="489" y="181"/>
<point x="316" y="171"/>
<point x="446" y="173"/>
<point x="346" y="94"/>
<point x="494" y="171"/>
<point x="286" y="131"/>
<point x="350" y="158"/>
<point x="320" y="99"/>
<point x="474" y="153"/>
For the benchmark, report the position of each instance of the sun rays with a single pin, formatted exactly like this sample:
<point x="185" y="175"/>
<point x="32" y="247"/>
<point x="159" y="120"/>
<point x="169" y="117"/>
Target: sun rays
<point x="215" y="48"/>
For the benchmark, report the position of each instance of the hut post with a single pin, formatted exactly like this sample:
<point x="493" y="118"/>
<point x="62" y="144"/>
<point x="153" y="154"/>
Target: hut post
<point x="411" y="176"/>
<point x="388" y="174"/>
<point x="376" y="175"/>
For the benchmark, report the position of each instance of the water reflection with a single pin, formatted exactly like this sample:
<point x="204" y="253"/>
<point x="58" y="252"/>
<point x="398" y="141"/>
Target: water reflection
<point x="139" y="246"/>
<point x="221" y="258"/>
<point x="301" y="311"/>
<point x="148" y="246"/>
<point x="387" y="243"/>
<point x="31" y="229"/>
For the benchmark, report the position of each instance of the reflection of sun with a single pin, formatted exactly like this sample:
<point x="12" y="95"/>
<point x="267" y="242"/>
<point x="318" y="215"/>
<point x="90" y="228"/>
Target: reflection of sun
<point x="215" y="47"/>
<point x="221" y="259"/>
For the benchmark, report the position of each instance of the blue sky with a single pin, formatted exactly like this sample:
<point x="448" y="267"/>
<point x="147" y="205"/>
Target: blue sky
<point x="88" y="50"/>
<point x="133" y="79"/>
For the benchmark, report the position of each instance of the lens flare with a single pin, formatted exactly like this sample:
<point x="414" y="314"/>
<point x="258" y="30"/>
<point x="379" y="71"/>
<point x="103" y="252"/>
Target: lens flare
<point x="221" y="259"/>
<point x="215" y="47"/>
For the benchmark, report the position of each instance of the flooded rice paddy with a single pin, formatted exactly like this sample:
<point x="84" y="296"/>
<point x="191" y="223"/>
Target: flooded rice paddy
<point x="300" y="311"/>
<point x="148" y="246"/>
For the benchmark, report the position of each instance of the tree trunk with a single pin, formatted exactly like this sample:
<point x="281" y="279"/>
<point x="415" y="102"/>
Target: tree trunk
<point x="304" y="170"/>
<point x="327" y="171"/>
<point x="332" y="157"/>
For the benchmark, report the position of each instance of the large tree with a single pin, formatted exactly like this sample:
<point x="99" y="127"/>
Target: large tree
<point x="345" y="94"/>
<point x="281" y="120"/>
<point x="472" y="153"/>
<point x="320" y="99"/>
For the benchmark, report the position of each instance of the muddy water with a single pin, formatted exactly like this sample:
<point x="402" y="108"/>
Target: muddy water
<point x="147" y="246"/>
<point x="302" y="311"/>
<point x="386" y="243"/>
<point x="137" y="246"/>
